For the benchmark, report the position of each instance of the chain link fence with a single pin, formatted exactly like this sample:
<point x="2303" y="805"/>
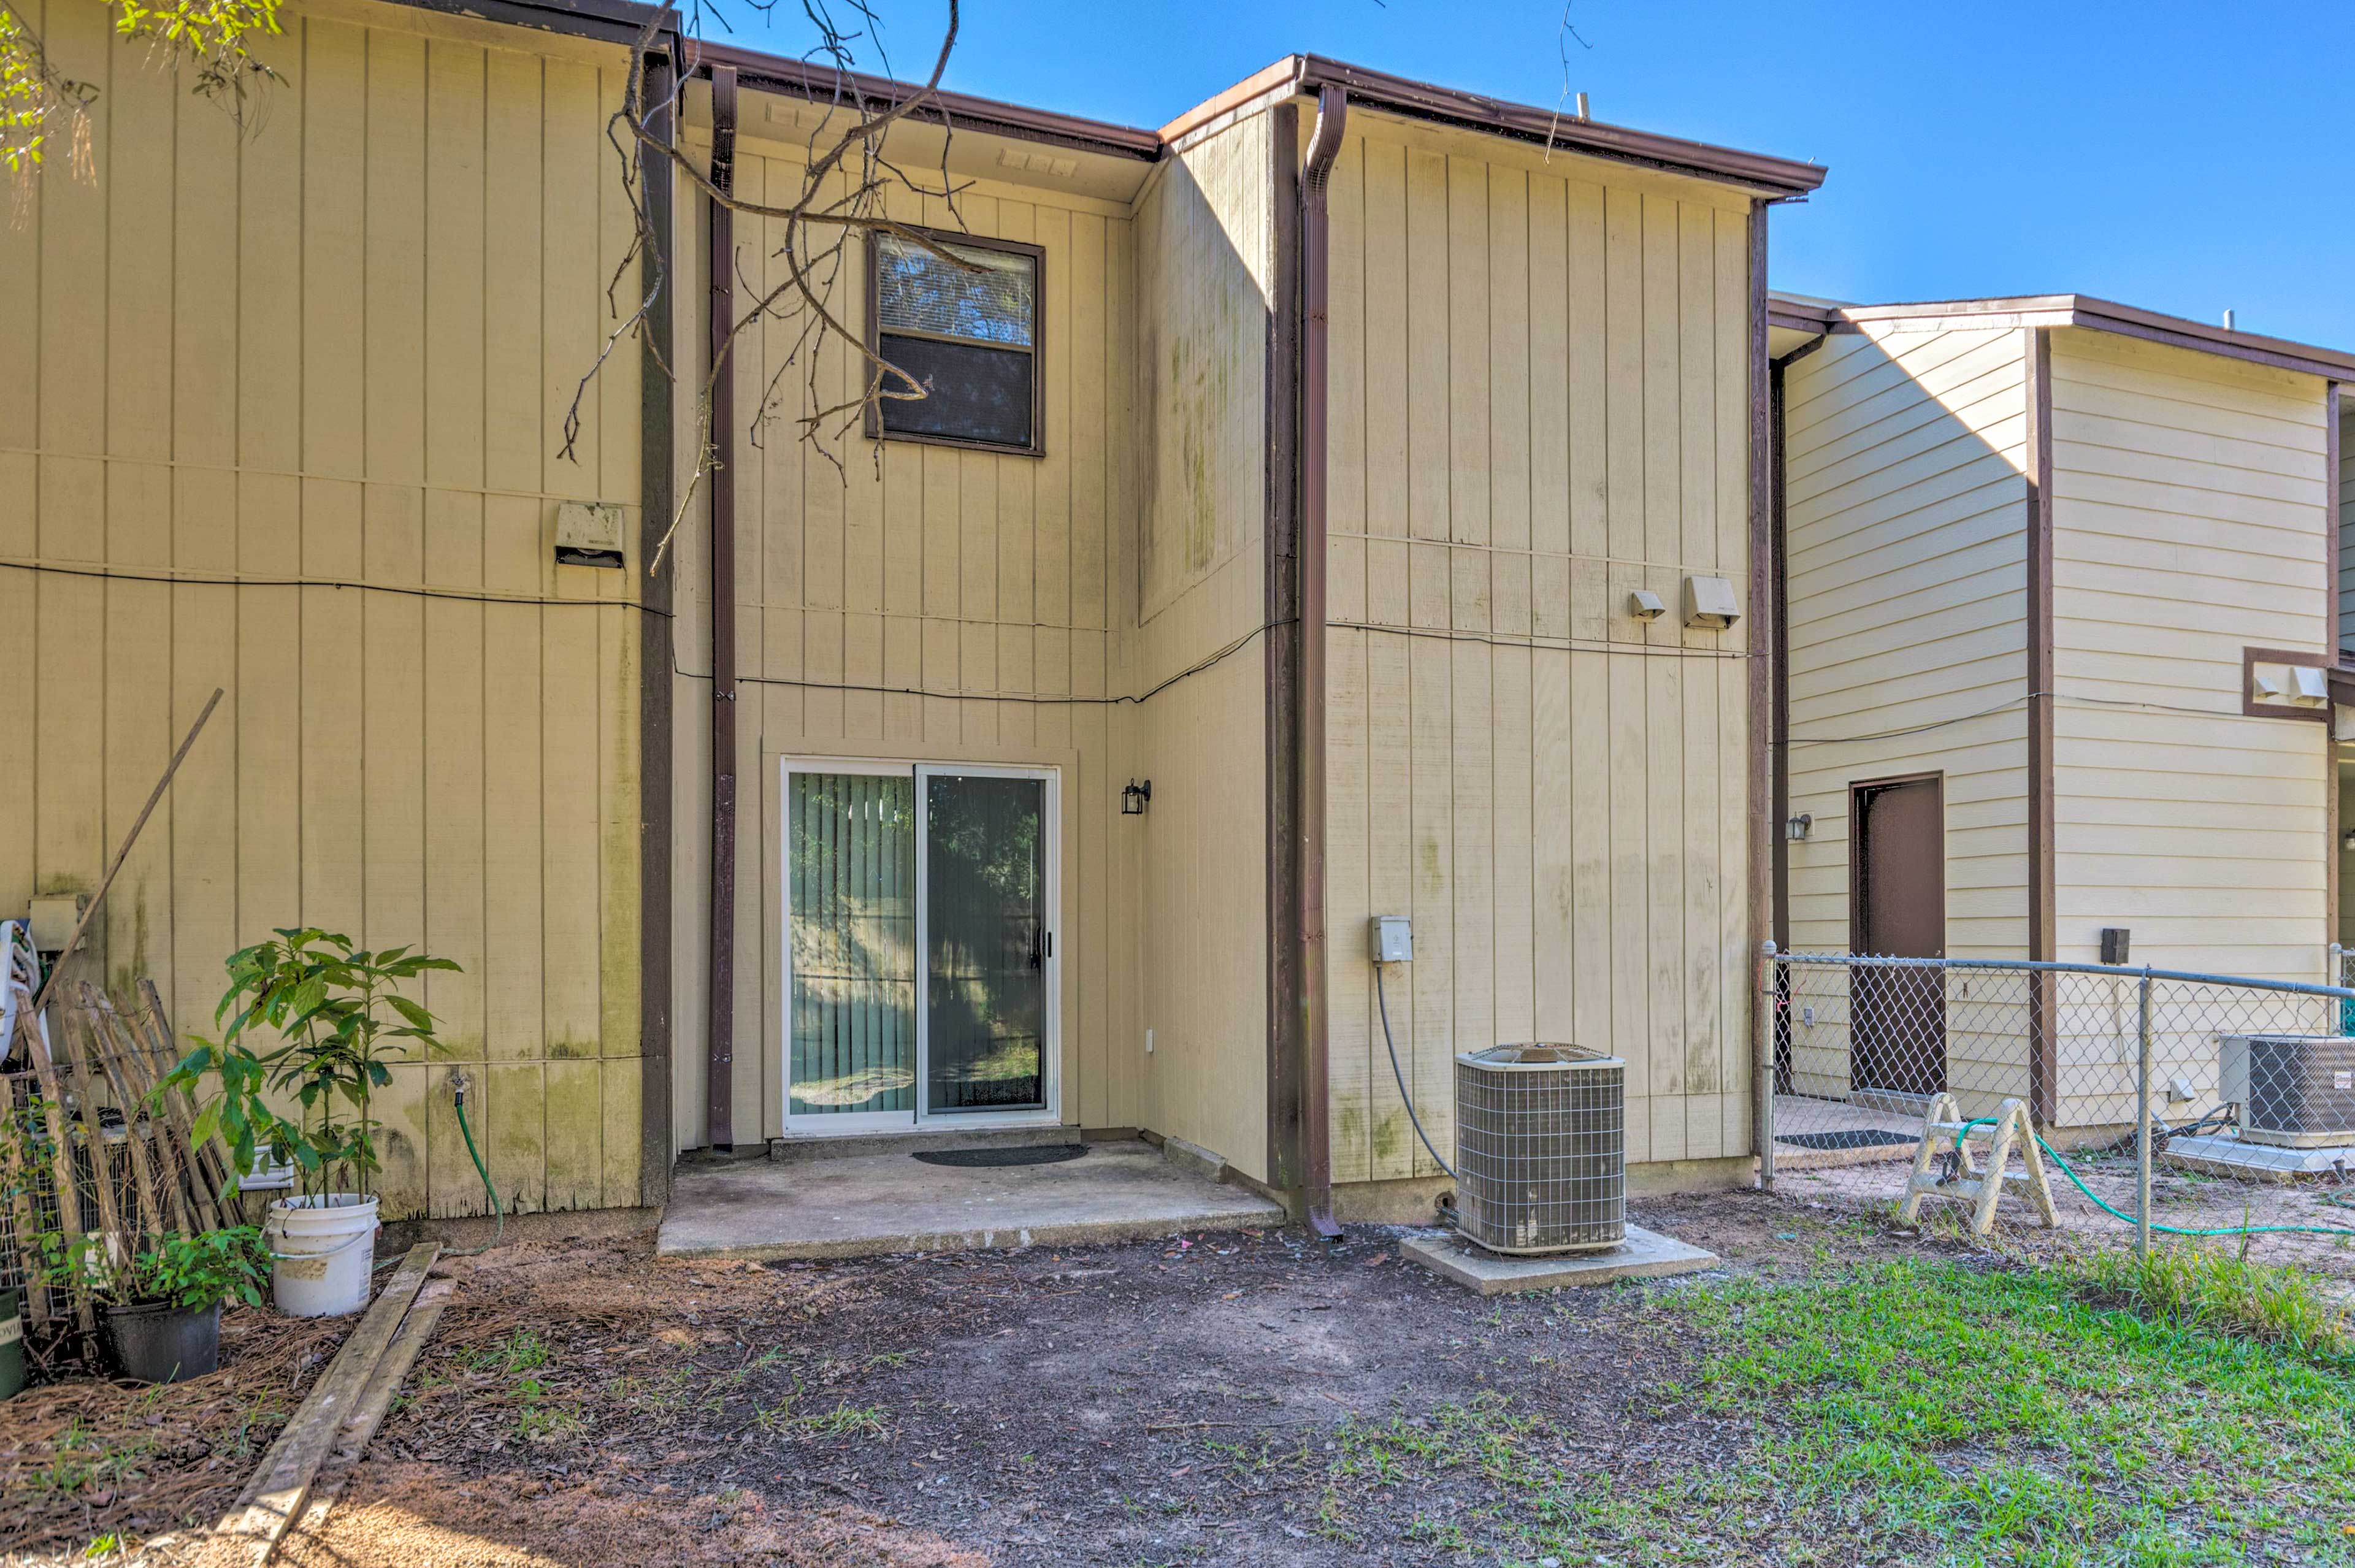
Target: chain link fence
<point x="2151" y="1104"/>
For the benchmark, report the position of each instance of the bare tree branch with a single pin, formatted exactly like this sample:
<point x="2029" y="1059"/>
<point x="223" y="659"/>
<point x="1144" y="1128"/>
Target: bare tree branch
<point x="846" y="186"/>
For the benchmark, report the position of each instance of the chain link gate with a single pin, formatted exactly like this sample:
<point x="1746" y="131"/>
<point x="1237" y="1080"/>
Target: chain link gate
<point x="2166" y="1104"/>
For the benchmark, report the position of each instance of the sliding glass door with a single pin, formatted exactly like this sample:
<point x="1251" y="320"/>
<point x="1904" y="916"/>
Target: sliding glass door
<point x="920" y="907"/>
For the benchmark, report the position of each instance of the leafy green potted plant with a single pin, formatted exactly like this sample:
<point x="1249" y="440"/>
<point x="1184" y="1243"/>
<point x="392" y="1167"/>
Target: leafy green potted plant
<point x="163" y="1304"/>
<point x="338" y="1016"/>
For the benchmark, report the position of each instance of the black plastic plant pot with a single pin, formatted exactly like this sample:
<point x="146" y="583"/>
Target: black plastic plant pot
<point x="12" y="1343"/>
<point x="158" y="1342"/>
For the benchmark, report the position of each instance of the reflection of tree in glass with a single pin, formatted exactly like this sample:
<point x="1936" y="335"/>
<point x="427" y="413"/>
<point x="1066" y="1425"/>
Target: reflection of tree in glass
<point x="987" y="302"/>
<point x="986" y="890"/>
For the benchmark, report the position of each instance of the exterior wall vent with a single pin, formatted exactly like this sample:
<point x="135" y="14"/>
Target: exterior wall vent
<point x="1541" y="1149"/>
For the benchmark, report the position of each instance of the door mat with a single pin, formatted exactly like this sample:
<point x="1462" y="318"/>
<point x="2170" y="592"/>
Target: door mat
<point x="1853" y="1137"/>
<point x="1036" y="1154"/>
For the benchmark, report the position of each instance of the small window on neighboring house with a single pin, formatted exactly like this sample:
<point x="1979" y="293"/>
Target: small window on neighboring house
<point x="969" y="332"/>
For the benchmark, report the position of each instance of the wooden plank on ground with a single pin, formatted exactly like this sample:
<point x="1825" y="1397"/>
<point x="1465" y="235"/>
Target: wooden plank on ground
<point x="273" y="1499"/>
<point x="368" y="1411"/>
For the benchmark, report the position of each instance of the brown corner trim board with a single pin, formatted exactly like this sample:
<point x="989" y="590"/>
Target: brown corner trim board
<point x="2041" y="1070"/>
<point x="657" y="656"/>
<point x="1766" y="623"/>
<point x="719" y="1088"/>
<point x="1287" y="1069"/>
<point x="2333" y="521"/>
<point x="1315" y="1130"/>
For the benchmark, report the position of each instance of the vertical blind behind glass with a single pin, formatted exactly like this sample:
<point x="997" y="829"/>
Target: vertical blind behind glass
<point x="989" y="302"/>
<point x="851" y="842"/>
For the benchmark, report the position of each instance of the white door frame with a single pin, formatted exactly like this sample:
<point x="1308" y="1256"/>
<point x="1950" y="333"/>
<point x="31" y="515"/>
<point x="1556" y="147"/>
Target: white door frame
<point x="856" y="1122"/>
<point x="1051" y="1048"/>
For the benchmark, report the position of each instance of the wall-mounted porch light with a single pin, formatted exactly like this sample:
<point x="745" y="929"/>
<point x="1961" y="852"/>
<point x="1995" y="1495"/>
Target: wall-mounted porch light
<point x="1799" y="827"/>
<point x="1134" y="798"/>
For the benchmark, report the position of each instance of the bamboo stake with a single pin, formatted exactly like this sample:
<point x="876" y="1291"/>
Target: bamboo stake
<point x="123" y="853"/>
<point x="174" y="1131"/>
<point x="153" y="1185"/>
<point x="93" y="1131"/>
<point x="152" y="1031"/>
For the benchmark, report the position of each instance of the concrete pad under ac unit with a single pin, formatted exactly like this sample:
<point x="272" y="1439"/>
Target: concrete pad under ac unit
<point x="1646" y="1254"/>
<point x="2249" y="1160"/>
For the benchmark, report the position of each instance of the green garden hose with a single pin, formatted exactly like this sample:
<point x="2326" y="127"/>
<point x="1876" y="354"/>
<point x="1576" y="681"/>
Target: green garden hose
<point x="499" y="1231"/>
<point x="2077" y="1181"/>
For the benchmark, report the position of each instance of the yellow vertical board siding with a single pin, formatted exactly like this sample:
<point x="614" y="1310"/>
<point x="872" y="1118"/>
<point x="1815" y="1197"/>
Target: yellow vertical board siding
<point x="978" y="587"/>
<point x="1545" y="419"/>
<point x="1205" y="266"/>
<point x="2190" y="510"/>
<point x="1904" y="464"/>
<point x="329" y="405"/>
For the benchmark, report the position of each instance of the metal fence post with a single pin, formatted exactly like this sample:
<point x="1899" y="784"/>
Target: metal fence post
<point x="1764" y="1091"/>
<point x="2142" y="1123"/>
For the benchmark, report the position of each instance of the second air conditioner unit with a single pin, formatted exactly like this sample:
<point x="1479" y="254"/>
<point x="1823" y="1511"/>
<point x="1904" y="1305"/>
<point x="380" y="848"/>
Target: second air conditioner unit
<point x="2294" y="1091"/>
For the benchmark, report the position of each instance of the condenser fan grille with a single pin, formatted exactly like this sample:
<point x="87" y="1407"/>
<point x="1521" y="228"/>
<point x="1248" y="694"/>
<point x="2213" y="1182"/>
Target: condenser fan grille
<point x="1541" y="1149"/>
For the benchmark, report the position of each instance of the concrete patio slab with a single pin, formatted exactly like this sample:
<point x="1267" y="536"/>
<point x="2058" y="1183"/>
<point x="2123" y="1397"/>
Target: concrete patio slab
<point x="872" y="1204"/>
<point x="1647" y="1255"/>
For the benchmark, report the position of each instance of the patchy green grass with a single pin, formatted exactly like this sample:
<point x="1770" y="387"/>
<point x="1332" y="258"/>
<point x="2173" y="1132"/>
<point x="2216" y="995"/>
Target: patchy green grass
<point x="81" y="1461"/>
<point x="1929" y="1413"/>
<point x="2218" y="1288"/>
<point x="521" y="1352"/>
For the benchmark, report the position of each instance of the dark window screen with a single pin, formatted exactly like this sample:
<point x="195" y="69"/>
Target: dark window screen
<point x="978" y="393"/>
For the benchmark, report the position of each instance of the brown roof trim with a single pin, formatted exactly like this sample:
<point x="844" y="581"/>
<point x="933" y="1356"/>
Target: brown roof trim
<point x="806" y="79"/>
<point x="620" y="21"/>
<point x="1796" y="316"/>
<point x="1778" y="178"/>
<point x="605" y="21"/>
<point x="2076" y="310"/>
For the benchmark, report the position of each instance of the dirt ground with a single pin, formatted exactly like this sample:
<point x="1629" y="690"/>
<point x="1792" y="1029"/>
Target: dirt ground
<point x="1176" y="1402"/>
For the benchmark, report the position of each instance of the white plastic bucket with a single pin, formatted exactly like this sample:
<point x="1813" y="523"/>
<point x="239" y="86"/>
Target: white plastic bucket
<point x="322" y="1254"/>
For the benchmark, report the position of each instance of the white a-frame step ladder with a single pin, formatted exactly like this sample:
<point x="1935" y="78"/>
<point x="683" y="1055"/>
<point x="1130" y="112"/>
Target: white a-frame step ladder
<point x="1943" y="1167"/>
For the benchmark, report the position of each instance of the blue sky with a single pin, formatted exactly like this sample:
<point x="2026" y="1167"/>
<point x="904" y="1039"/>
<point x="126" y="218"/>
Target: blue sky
<point x="2182" y="157"/>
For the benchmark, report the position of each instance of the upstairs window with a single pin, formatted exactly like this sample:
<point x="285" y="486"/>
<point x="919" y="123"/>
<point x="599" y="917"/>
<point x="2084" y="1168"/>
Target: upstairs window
<point x="969" y="332"/>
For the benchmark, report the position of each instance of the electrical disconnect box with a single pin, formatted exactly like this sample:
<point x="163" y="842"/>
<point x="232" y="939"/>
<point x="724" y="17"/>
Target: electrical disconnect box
<point x="1390" y="939"/>
<point x="2117" y="943"/>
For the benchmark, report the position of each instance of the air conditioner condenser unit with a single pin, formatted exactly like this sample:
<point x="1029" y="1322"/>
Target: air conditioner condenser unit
<point x="2295" y="1091"/>
<point x="1541" y="1149"/>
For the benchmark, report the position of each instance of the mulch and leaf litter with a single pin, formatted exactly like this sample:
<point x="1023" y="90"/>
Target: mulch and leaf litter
<point x="1248" y="1399"/>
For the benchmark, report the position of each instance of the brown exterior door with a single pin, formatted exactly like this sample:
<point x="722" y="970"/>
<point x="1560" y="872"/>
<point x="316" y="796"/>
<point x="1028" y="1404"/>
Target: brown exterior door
<point x="1897" y="1016"/>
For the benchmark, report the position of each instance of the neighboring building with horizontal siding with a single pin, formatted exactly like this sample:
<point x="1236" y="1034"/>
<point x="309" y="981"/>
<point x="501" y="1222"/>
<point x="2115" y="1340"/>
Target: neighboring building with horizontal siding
<point x="2069" y="572"/>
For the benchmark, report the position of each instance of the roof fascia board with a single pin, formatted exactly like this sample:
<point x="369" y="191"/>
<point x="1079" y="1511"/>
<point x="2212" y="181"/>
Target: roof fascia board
<point x="1779" y="179"/>
<point x="2076" y="310"/>
<point x="620" y="22"/>
<point x="623" y="21"/>
<point x="820" y="84"/>
<point x="2281" y="354"/>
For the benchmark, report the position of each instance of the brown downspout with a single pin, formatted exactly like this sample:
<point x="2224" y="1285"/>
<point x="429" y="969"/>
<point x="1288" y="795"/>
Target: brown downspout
<point x="1316" y="1129"/>
<point x="719" y="1088"/>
